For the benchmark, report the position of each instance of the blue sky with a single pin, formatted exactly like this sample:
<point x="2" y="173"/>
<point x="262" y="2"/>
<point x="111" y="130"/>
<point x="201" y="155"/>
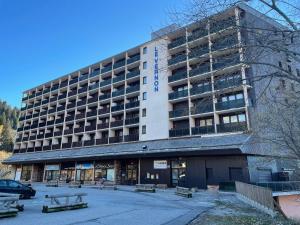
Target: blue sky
<point x="42" y="40"/>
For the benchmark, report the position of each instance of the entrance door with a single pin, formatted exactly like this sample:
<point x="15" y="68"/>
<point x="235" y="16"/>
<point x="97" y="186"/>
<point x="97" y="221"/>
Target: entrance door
<point x="131" y="173"/>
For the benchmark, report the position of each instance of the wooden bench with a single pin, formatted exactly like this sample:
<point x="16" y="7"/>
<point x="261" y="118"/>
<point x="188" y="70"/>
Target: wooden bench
<point x="182" y="191"/>
<point x="70" y="202"/>
<point x="161" y="186"/>
<point x="75" y="184"/>
<point x="52" y="183"/>
<point x="108" y="185"/>
<point x="145" y="188"/>
<point x="9" y="205"/>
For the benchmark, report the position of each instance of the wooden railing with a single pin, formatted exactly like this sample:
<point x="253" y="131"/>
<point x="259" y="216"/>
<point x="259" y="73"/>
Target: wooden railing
<point x="260" y="195"/>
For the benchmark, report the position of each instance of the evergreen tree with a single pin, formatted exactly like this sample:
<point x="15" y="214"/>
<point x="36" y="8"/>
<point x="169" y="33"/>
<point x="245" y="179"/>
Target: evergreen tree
<point x="7" y="138"/>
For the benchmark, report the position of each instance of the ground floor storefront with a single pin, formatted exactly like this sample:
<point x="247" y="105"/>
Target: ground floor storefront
<point x="188" y="171"/>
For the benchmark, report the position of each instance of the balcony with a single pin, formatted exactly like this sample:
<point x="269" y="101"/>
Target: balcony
<point x="91" y="113"/>
<point x="102" y="126"/>
<point x="19" y="139"/>
<point x="130" y="105"/>
<point x="197" y="34"/>
<point x="77" y="144"/>
<point x="93" y="99"/>
<point x="61" y="120"/>
<point x="20" y="129"/>
<point x="117" y="108"/>
<point x="105" y="96"/>
<point x="179" y="132"/>
<point x="46" y="91"/>
<point x="39" y="94"/>
<point x="63" y="84"/>
<point x="32" y="137"/>
<point x="223" y="24"/>
<point x="131" y="137"/>
<point x="238" y="103"/>
<point x="89" y="142"/>
<point x="198" y="52"/>
<point x="105" y="82"/>
<point x="25" y="138"/>
<point x="28" y="117"/>
<point x="51" y="110"/>
<point x="70" y="118"/>
<point x="73" y="81"/>
<point x="95" y="73"/>
<point x="200" y="89"/>
<point x="40" y="136"/>
<point x="90" y="128"/>
<point x="58" y="133"/>
<point x="42" y="124"/>
<point x="179" y="113"/>
<point x="29" y="106"/>
<point x="24" y="98"/>
<point x="69" y="131"/>
<point x="80" y="116"/>
<point x="118" y="93"/>
<point x="202" y="108"/>
<point x="38" y="148"/>
<point x="226" y="61"/>
<point x="27" y="127"/>
<point x="133" y="120"/>
<point x="102" y="141"/>
<point x="119" y="64"/>
<point x="67" y="145"/>
<point x="56" y="146"/>
<point x="83" y="77"/>
<point x="78" y="129"/>
<point x="132" y="74"/>
<point x="178" y="94"/>
<point x="62" y="96"/>
<point x="47" y="147"/>
<point x="106" y="69"/>
<point x="203" y="130"/>
<point x="228" y="83"/>
<point x="22" y="118"/>
<point x="37" y="104"/>
<point x="50" y="122"/>
<point x="82" y="102"/>
<point x="94" y="86"/>
<point x="117" y="139"/>
<point x="23" y="108"/>
<point x="54" y="88"/>
<point x="45" y="101"/>
<point x="72" y="93"/>
<point x="133" y="88"/>
<point x="177" y="76"/>
<point x="82" y="90"/>
<point x="133" y="59"/>
<point x="202" y="69"/>
<point x="35" y="115"/>
<point x="119" y="78"/>
<point x="176" y="59"/>
<point x="43" y="113"/>
<point x="48" y="135"/>
<point x="179" y="41"/>
<point x="225" y="43"/>
<point x="117" y="123"/>
<point x="104" y="110"/>
<point x="232" y="127"/>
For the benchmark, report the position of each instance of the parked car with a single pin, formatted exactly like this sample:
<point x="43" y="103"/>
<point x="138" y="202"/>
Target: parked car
<point x="15" y="187"/>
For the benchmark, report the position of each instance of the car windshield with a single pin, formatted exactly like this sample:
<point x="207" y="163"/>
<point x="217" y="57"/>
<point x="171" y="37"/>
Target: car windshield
<point x="13" y="184"/>
<point x="3" y="183"/>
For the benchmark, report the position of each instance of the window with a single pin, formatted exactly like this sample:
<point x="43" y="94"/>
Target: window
<point x="144" y="95"/>
<point x="144" y="80"/>
<point x="144" y="65"/>
<point x="3" y="183"/>
<point x="144" y="112"/>
<point x="145" y="50"/>
<point x="144" y="129"/>
<point x="13" y="184"/>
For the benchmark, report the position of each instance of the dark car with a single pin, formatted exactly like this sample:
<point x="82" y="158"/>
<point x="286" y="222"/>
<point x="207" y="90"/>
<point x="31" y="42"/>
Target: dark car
<point x="15" y="187"/>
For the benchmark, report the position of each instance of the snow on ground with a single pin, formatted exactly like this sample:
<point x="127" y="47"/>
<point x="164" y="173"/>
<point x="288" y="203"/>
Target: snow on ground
<point x="108" y="207"/>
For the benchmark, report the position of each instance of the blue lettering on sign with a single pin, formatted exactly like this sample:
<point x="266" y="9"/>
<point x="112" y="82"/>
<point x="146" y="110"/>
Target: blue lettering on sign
<point x="156" y="82"/>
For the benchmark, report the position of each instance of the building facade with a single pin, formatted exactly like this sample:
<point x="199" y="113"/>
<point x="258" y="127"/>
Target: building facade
<point x="174" y="110"/>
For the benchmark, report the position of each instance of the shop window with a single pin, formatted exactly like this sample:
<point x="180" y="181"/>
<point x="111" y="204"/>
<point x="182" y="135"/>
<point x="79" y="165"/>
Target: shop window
<point x="26" y="173"/>
<point x="104" y="171"/>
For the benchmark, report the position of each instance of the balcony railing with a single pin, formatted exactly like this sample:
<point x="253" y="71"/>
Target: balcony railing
<point x="71" y="93"/>
<point x="51" y="110"/>
<point x="62" y="96"/>
<point x="117" y="123"/>
<point x="102" y="141"/>
<point x="48" y="135"/>
<point x="95" y="73"/>
<point x="104" y="110"/>
<point x="102" y="126"/>
<point x="43" y="113"/>
<point x="90" y="128"/>
<point x="94" y="86"/>
<point x="227" y="61"/>
<point x="41" y="124"/>
<point x="77" y="144"/>
<point x="38" y="148"/>
<point x="67" y="145"/>
<point x="50" y="122"/>
<point x="132" y="89"/>
<point x="132" y="74"/>
<point x="54" y="88"/>
<point x="179" y="113"/>
<point x="83" y="77"/>
<point x="202" y="69"/>
<point x="70" y="118"/>
<point x="105" y="82"/>
<point x="106" y="69"/>
<point x="69" y="131"/>
<point x="177" y="42"/>
<point x="82" y="89"/>
<point x="40" y="136"/>
<point x="116" y="139"/>
<point x="58" y="133"/>
<point x="223" y="24"/>
<point x="228" y="83"/>
<point x="32" y="137"/>
<point x="63" y="84"/>
<point x="225" y="43"/>
<point x="177" y="76"/>
<point x="238" y="103"/>
<point x="203" y="130"/>
<point x="105" y="96"/>
<point x="91" y="113"/>
<point x="232" y="127"/>
<point x="119" y="78"/>
<point x="198" y="52"/>
<point x="133" y="59"/>
<point x="61" y="120"/>
<point x="93" y="99"/>
<point x="118" y="93"/>
<point x="200" y="89"/>
<point x="176" y="59"/>
<point x="89" y="142"/>
<point x="61" y="108"/>
<point x="119" y="64"/>
<point x="78" y="129"/>
<point x="73" y="81"/>
<point x="57" y="146"/>
<point x="133" y="120"/>
<point x="202" y="108"/>
<point x="197" y="34"/>
<point x="117" y="108"/>
<point x="179" y="132"/>
<point x="130" y="105"/>
<point x="178" y="94"/>
<point x="47" y="147"/>
<point x="80" y="116"/>
<point x="82" y="102"/>
<point x="131" y="137"/>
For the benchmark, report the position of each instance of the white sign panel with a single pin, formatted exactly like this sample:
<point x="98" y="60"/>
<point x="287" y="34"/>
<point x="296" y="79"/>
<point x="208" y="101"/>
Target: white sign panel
<point x="160" y="164"/>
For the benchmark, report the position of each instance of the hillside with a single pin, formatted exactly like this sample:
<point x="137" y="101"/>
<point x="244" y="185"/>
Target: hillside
<point x="9" y="115"/>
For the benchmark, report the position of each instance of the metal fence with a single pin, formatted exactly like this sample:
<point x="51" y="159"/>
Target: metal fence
<point x="281" y="186"/>
<point x="258" y="194"/>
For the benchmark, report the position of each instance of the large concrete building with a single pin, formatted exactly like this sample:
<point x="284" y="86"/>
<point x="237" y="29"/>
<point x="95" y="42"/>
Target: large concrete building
<point x="174" y="110"/>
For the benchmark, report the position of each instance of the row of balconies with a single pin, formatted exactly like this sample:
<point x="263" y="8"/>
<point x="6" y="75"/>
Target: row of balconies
<point x="221" y="128"/>
<point x="103" y="83"/>
<point x="200" y="33"/>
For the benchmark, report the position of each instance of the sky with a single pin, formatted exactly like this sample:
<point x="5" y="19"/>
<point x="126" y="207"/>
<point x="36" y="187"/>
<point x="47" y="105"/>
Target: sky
<point x="43" y="40"/>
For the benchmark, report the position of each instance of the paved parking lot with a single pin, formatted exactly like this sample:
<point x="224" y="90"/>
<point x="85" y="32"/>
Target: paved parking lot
<point x="123" y="206"/>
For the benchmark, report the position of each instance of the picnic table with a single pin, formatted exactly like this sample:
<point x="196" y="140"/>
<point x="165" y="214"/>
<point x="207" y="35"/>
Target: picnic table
<point x="9" y="205"/>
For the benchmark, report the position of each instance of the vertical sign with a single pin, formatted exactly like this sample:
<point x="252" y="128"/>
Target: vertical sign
<point x="156" y="82"/>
